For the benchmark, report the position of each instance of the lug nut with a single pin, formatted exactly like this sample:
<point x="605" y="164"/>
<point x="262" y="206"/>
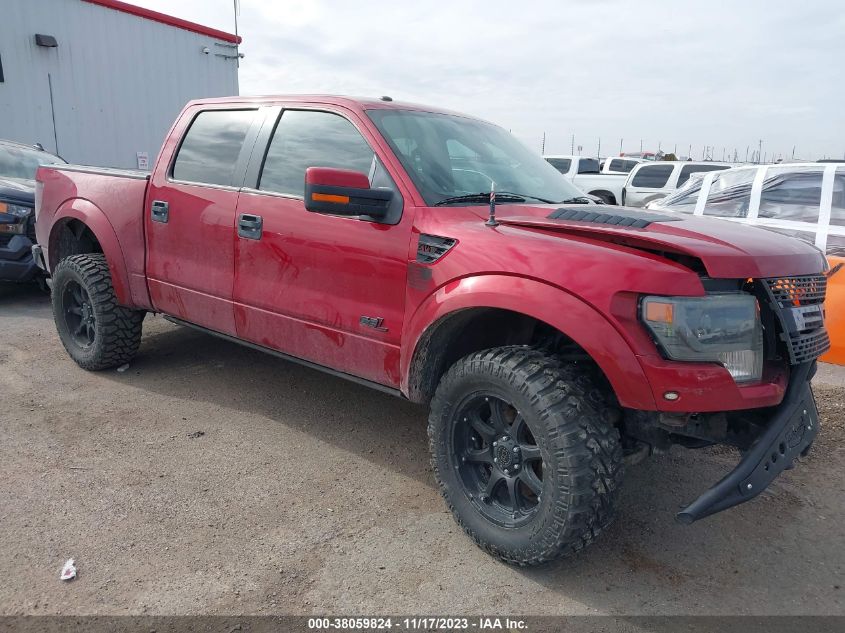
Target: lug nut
<point x="516" y="466"/>
<point x="495" y="443"/>
<point x="516" y="449"/>
<point x="495" y="460"/>
<point x="484" y="498"/>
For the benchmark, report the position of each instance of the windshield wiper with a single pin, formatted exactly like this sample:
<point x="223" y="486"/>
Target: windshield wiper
<point x="576" y="200"/>
<point x="501" y="196"/>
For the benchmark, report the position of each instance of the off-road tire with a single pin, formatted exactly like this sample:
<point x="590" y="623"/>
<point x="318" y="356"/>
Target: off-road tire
<point x="117" y="330"/>
<point x="565" y="409"/>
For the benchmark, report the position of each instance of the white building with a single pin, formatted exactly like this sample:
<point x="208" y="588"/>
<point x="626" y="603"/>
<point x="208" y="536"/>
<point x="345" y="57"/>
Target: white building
<point x="101" y="81"/>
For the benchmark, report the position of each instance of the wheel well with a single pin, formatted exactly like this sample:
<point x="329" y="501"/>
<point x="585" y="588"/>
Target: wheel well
<point x="603" y="193"/>
<point x="71" y="237"/>
<point x="466" y="331"/>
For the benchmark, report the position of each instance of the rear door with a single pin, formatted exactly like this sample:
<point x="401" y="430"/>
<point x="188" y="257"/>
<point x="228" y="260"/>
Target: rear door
<point x="190" y="215"/>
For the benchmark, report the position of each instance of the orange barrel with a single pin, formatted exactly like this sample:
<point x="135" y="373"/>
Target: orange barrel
<point x="834" y="307"/>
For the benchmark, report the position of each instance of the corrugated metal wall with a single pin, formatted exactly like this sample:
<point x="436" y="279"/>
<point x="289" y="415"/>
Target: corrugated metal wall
<point x="118" y="80"/>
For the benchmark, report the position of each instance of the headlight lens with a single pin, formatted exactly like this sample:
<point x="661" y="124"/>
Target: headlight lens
<point x="720" y="328"/>
<point x="15" y="209"/>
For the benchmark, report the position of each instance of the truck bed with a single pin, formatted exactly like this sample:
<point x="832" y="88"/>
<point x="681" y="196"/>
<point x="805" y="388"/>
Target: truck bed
<point x="117" y="217"/>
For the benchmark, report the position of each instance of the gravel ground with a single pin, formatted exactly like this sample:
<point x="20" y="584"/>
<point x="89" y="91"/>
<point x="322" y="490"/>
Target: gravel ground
<point x="209" y="478"/>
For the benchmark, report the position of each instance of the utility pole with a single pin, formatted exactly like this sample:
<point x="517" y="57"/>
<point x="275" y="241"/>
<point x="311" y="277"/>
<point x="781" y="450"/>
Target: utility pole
<point x="543" y="146"/>
<point x="641" y="148"/>
<point x="689" y="153"/>
<point x="572" y="150"/>
<point x="793" y="152"/>
<point x="598" y="151"/>
<point x="620" y="146"/>
<point x="759" y="150"/>
<point x="675" y="151"/>
<point x="723" y="154"/>
<point x="747" y="147"/>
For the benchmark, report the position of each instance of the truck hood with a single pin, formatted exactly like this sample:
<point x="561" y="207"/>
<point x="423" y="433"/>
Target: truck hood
<point x="725" y="249"/>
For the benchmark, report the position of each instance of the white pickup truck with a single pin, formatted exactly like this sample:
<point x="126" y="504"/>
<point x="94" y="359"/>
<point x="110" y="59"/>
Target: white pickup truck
<point x="585" y="174"/>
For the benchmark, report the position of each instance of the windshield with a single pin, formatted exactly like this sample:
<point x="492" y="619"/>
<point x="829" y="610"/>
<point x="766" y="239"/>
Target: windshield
<point x="448" y="156"/>
<point x="22" y="162"/>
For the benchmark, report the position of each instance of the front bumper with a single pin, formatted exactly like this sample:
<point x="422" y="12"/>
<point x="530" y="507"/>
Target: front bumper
<point x="789" y="434"/>
<point x="16" y="261"/>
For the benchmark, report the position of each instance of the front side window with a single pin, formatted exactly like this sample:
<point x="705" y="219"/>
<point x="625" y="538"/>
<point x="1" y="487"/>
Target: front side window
<point x="688" y="170"/>
<point x="448" y="156"/>
<point x="652" y="176"/>
<point x="309" y="138"/>
<point x="211" y="147"/>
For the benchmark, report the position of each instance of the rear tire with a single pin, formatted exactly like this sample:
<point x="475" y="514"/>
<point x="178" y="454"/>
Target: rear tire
<point x="96" y="332"/>
<point x="549" y="484"/>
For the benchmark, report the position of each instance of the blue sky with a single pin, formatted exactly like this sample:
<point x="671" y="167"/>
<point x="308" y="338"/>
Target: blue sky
<point x="674" y="73"/>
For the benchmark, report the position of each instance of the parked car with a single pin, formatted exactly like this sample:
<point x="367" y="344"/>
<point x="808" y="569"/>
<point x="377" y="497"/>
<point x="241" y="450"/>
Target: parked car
<point x="18" y="164"/>
<point x="655" y="180"/>
<point x="551" y="339"/>
<point x="802" y="200"/>
<point x="585" y="174"/>
<point x="619" y="164"/>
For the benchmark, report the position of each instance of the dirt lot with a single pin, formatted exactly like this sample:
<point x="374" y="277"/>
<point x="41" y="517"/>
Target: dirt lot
<point x="209" y="478"/>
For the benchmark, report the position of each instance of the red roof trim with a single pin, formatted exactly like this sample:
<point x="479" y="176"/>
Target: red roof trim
<point x="163" y="18"/>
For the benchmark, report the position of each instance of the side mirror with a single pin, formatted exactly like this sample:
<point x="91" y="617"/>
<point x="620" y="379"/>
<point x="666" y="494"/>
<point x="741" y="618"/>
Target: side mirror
<point x="344" y="192"/>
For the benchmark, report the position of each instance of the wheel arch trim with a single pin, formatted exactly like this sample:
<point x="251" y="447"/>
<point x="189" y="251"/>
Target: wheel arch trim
<point x="546" y="303"/>
<point x="93" y="218"/>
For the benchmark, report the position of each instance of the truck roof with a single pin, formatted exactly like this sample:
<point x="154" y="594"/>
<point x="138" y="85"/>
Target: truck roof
<point x="353" y="103"/>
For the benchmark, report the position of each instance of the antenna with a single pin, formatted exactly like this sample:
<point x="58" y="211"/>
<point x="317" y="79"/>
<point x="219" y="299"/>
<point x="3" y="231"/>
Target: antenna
<point x="491" y="221"/>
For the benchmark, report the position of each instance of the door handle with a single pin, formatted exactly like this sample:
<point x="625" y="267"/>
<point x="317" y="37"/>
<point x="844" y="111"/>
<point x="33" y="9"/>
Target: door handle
<point x="250" y="226"/>
<point x="160" y="211"/>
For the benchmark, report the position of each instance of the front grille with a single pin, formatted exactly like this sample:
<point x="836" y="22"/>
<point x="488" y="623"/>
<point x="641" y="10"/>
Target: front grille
<point x="808" y="346"/>
<point x="4" y="240"/>
<point x="798" y="291"/>
<point x="798" y="306"/>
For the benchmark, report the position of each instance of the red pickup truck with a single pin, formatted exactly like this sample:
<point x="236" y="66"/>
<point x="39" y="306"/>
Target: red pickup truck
<point x="431" y="255"/>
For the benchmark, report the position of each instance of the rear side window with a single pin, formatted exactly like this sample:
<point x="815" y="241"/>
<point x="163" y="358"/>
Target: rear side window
<point x="306" y="139"/>
<point x="617" y="164"/>
<point x="652" y="176"/>
<point x="791" y="196"/>
<point x="210" y="149"/>
<point x="588" y="166"/>
<point x="687" y="170"/>
<point x="561" y="164"/>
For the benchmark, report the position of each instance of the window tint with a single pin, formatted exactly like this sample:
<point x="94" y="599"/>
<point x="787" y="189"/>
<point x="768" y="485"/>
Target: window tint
<point x="617" y="164"/>
<point x="730" y="194"/>
<point x="211" y="147"/>
<point x="561" y="164"/>
<point x="654" y="176"/>
<point x="686" y="170"/>
<point x="790" y="194"/>
<point x="588" y="166"/>
<point x="306" y="139"/>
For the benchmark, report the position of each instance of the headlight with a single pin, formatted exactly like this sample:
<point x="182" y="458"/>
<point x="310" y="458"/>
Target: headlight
<point x="719" y="328"/>
<point x="15" y="209"/>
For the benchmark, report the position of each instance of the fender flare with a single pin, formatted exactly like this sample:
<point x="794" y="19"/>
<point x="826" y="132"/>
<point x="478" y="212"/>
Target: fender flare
<point x="565" y="312"/>
<point x="93" y="217"/>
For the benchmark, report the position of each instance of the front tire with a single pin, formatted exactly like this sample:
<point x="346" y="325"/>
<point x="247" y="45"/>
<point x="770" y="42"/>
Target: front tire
<point x="96" y="332"/>
<point x="526" y="455"/>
